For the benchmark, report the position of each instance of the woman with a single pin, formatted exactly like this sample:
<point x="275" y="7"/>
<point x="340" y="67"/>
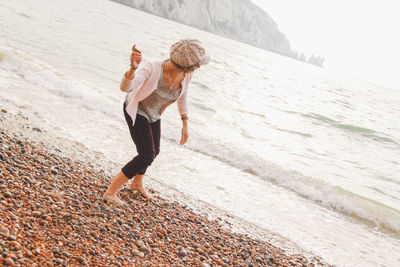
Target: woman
<point x="151" y="90"/>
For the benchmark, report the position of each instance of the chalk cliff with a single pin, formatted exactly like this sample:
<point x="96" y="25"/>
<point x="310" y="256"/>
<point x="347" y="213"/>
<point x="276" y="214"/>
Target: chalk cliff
<point x="237" y="19"/>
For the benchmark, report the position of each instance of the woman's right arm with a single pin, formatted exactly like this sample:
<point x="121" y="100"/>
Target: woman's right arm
<point x="127" y="80"/>
<point x="131" y="81"/>
<point x="130" y="74"/>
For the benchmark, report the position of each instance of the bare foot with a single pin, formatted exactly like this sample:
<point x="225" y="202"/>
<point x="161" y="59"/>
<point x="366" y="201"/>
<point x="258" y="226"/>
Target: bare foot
<point x="140" y="188"/>
<point x="113" y="198"/>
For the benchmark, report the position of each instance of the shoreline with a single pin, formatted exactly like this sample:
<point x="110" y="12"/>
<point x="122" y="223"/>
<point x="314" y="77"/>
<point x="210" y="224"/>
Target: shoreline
<point x="64" y="199"/>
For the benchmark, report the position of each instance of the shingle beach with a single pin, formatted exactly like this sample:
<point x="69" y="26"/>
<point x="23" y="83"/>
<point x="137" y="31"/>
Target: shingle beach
<point x="52" y="214"/>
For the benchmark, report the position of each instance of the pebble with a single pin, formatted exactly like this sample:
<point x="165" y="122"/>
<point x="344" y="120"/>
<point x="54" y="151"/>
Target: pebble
<point x="139" y="243"/>
<point x="15" y="245"/>
<point x="81" y="260"/>
<point x="36" y="213"/>
<point x="9" y="262"/>
<point x="182" y="252"/>
<point x="145" y="250"/>
<point x="5" y="232"/>
<point x="137" y="253"/>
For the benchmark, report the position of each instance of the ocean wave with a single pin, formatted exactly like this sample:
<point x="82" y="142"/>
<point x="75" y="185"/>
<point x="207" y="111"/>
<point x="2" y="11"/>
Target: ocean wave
<point x="44" y="77"/>
<point x="308" y="135"/>
<point x="314" y="189"/>
<point x="380" y="137"/>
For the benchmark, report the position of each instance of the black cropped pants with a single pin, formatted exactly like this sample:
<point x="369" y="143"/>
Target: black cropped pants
<point x="146" y="137"/>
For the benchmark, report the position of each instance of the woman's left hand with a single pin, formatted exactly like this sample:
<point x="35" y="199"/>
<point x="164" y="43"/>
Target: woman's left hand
<point x="185" y="135"/>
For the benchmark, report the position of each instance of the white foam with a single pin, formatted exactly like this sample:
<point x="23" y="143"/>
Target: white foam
<point x="317" y="190"/>
<point x="50" y="81"/>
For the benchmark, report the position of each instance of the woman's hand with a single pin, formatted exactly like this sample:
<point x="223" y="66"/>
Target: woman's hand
<point x="136" y="57"/>
<point x="185" y="135"/>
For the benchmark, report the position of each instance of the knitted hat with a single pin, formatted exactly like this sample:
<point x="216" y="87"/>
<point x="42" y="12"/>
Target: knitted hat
<point x="188" y="52"/>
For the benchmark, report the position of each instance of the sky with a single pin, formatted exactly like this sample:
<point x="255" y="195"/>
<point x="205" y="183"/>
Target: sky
<point x="358" y="38"/>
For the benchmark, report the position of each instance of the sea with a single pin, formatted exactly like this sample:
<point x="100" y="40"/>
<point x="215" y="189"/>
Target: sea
<point x="307" y="154"/>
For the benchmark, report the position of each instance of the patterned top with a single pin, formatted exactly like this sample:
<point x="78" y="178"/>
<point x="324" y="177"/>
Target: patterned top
<point x="151" y="106"/>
